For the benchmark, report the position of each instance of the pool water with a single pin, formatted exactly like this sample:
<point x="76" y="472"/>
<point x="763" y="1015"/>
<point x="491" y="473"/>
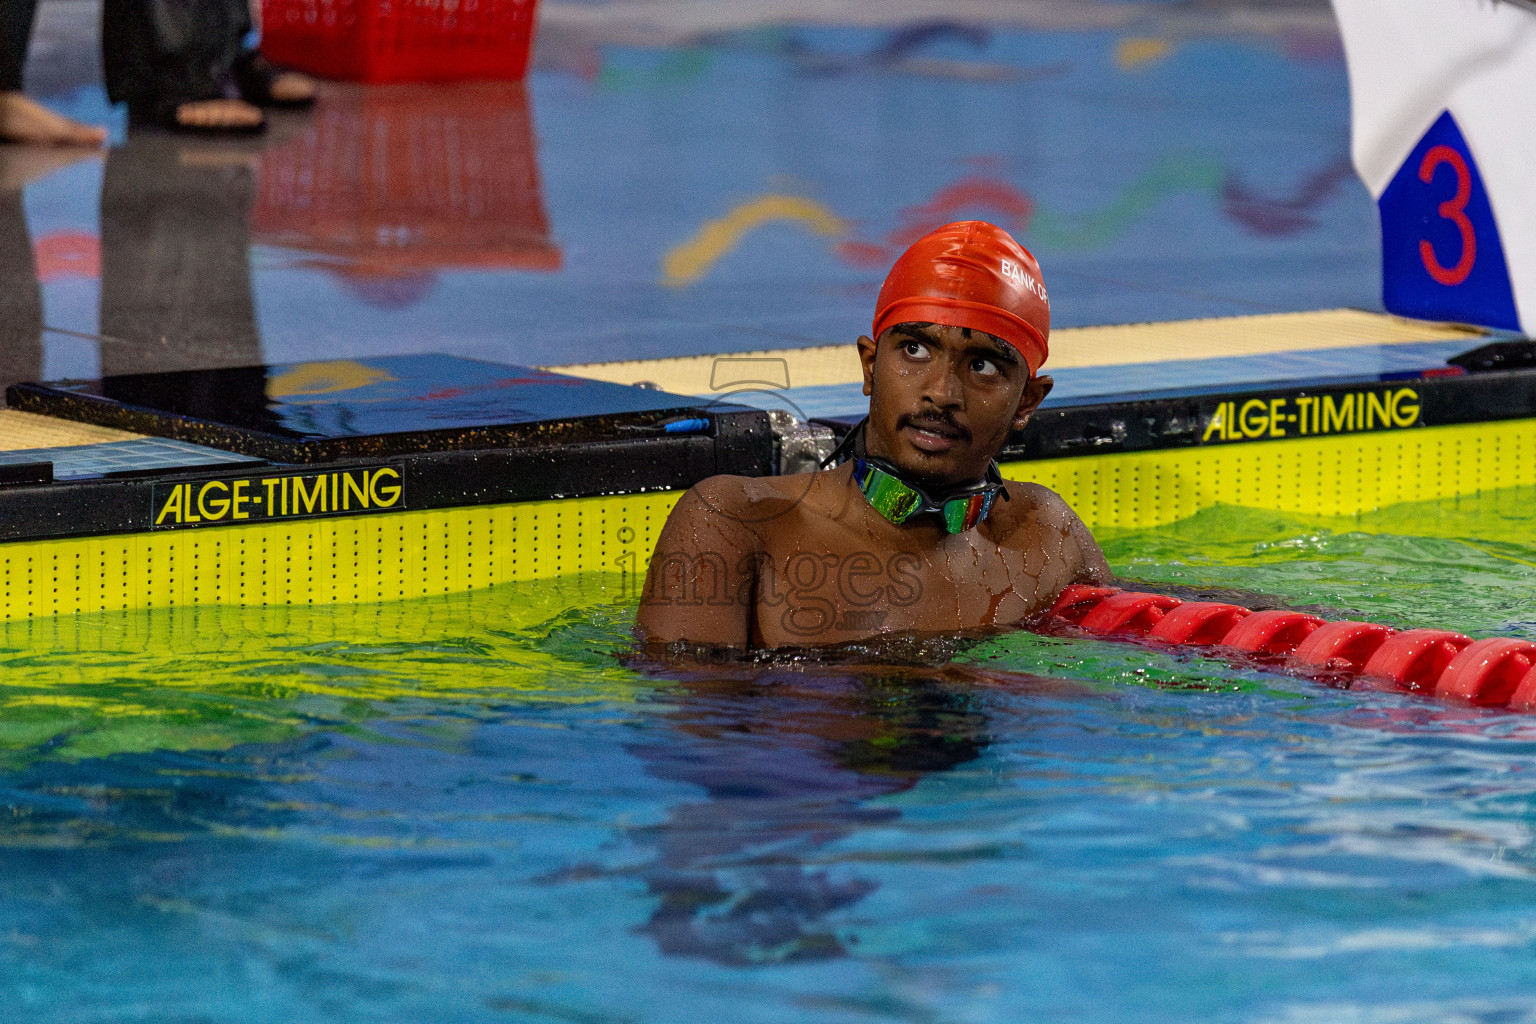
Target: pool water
<point x="471" y="809"/>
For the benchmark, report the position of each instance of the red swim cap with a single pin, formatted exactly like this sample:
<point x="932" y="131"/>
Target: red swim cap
<point x="970" y="274"/>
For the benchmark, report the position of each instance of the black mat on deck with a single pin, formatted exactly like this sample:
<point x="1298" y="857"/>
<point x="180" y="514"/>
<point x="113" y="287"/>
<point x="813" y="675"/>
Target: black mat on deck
<point x="347" y="408"/>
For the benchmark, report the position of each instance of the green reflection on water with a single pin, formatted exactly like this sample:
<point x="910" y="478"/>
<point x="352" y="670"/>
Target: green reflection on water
<point x="213" y="677"/>
<point x="1463" y="563"/>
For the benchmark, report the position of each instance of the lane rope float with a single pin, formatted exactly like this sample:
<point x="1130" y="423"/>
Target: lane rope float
<point x="1498" y="672"/>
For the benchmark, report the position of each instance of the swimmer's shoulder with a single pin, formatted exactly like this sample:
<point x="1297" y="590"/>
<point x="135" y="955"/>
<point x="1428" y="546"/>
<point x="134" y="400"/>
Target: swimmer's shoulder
<point x="1031" y="503"/>
<point x="743" y="498"/>
<point x="768" y="494"/>
<point x="766" y="506"/>
<point x="1035" y="515"/>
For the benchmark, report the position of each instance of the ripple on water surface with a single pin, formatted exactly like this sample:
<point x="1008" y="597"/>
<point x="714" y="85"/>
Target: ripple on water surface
<point x="469" y="808"/>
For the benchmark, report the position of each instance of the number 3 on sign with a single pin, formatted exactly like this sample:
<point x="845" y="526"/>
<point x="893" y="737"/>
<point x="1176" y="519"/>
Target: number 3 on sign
<point x="1454" y="210"/>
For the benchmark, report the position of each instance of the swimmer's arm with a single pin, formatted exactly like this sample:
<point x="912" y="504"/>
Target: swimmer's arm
<point x="701" y="583"/>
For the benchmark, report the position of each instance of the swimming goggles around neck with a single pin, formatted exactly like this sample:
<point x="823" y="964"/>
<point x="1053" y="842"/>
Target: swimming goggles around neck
<point x="899" y="500"/>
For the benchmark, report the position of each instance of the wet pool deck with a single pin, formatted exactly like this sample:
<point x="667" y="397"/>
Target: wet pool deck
<point x="1092" y="365"/>
<point x="695" y="178"/>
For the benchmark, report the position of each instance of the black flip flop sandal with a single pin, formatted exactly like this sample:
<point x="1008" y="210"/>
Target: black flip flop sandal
<point x="254" y="76"/>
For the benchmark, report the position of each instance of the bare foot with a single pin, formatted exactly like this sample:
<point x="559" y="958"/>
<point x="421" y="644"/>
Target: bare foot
<point x="22" y="165"/>
<point x="233" y="114"/>
<point x="292" y="87"/>
<point x="22" y="120"/>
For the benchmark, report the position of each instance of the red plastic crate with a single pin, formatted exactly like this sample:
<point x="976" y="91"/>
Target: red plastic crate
<point x="394" y="183"/>
<point x="400" y="40"/>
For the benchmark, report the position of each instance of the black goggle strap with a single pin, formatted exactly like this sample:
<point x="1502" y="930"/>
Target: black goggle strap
<point x="852" y="444"/>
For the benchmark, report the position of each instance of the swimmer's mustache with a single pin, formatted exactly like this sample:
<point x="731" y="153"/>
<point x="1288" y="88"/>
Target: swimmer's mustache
<point x="941" y="421"/>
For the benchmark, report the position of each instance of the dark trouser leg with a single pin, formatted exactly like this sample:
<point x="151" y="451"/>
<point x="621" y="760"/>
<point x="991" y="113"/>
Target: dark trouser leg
<point x="21" y="305"/>
<point x="16" y="18"/>
<point x="157" y="53"/>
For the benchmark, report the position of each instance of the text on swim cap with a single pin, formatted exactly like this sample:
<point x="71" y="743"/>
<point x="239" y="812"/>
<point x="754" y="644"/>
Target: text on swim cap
<point x="1024" y="279"/>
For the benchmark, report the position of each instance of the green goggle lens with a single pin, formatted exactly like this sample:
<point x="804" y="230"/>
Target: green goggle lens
<point x="890" y="497"/>
<point x="898" y="501"/>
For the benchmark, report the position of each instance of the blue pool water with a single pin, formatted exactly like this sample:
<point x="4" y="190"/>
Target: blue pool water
<point x="469" y="809"/>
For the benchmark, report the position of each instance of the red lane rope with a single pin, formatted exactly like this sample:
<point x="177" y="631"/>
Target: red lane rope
<point x="1500" y="672"/>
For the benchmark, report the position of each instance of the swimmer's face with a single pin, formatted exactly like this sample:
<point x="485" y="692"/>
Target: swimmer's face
<point x="943" y="399"/>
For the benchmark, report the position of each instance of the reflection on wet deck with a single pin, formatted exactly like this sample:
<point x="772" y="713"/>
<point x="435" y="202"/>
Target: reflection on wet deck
<point x="379" y="190"/>
<point x="386" y="187"/>
<point x="710" y="183"/>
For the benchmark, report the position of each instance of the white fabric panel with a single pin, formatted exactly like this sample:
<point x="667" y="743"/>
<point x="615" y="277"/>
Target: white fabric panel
<point x="1411" y="59"/>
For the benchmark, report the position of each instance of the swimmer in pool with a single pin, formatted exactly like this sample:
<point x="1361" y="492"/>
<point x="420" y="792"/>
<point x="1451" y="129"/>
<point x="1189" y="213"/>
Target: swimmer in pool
<point x="915" y="531"/>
